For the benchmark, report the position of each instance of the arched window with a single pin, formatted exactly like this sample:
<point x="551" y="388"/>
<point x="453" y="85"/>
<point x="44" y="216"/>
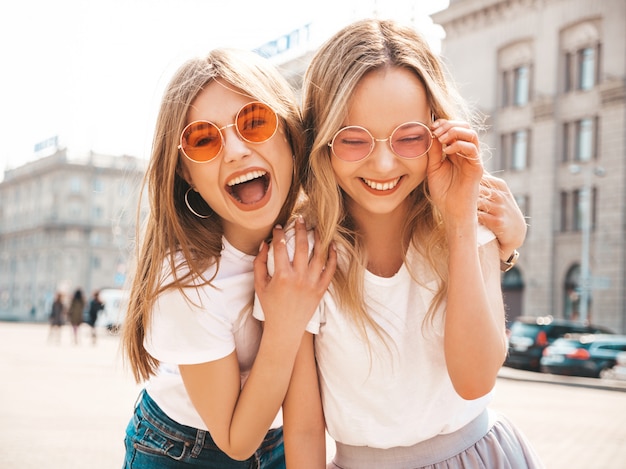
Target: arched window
<point x="513" y="293"/>
<point x="581" y="49"/>
<point x="513" y="280"/>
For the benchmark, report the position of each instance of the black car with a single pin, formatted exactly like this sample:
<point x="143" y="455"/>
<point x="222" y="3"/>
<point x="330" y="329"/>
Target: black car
<point x="529" y="336"/>
<point x="590" y="355"/>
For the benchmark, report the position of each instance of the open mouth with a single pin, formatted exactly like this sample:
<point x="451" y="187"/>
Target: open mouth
<point x="249" y="188"/>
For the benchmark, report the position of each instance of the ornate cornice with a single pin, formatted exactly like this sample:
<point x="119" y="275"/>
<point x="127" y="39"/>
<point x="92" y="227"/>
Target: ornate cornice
<point x="469" y="15"/>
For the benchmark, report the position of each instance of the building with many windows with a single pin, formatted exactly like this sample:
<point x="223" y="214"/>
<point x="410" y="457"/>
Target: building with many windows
<point x="65" y="223"/>
<point x="550" y="77"/>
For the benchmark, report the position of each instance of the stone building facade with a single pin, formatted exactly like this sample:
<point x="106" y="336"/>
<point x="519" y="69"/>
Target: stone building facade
<point x="65" y="223"/>
<point x="550" y="77"/>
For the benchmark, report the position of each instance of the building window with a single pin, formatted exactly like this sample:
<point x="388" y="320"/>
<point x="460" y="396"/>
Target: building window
<point x="98" y="185"/>
<point x="587" y="68"/>
<point x="521" y="85"/>
<point x="519" y="150"/>
<point x="567" y="143"/>
<point x="515" y="66"/>
<point x="514" y="150"/>
<point x="74" y="185"/>
<point x="580" y="140"/>
<point x="582" y="68"/>
<point x="576" y="220"/>
<point x="593" y="205"/>
<point x="584" y="140"/>
<point x="516" y="86"/>
<point x="578" y="210"/>
<point x="564" y="209"/>
<point x="96" y="239"/>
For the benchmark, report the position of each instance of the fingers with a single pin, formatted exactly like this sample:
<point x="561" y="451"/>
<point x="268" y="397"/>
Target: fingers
<point x="261" y="273"/>
<point x="305" y="259"/>
<point x="490" y="202"/>
<point x="457" y="138"/>
<point x="301" y="254"/>
<point x="486" y="199"/>
<point x="492" y="182"/>
<point x="317" y="265"/>
<point x="494" y="195"/>
<point x="279" y="245"/>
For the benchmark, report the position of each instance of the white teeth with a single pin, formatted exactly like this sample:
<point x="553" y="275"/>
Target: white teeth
<point x="380" y="186"/>
<point x="246" y="177"/>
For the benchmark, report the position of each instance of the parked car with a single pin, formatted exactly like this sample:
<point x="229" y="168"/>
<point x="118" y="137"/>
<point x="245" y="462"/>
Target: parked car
<point x="529" y="336"/>
<point x="590" y="355"/>
<point x="115" y="302"/>
<point x="618" y="372"/>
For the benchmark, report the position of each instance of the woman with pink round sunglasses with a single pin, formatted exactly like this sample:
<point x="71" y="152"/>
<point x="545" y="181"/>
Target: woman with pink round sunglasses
<point x="224" y="175"/>
<point x="411" y="334"/>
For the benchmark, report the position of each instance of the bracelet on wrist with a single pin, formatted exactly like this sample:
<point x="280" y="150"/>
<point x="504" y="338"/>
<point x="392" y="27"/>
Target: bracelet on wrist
<point x="507" y="265"/>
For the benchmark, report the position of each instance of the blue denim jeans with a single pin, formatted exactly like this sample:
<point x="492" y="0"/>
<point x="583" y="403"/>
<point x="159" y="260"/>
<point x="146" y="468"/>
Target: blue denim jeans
<point x="154" y="440"/>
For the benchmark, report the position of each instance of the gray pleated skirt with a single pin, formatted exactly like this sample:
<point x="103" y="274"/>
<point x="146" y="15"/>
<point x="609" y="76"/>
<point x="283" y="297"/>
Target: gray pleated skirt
<point x="488" y="442"/>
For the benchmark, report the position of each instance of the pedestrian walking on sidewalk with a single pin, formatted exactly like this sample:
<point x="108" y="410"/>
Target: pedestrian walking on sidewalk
<point x="76" y="313"/>
<point x="95" y="306"/>
<point x="57" y="318"/>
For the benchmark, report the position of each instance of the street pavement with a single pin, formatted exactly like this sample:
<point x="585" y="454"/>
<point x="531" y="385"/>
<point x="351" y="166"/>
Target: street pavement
<point x="65" y="406"/>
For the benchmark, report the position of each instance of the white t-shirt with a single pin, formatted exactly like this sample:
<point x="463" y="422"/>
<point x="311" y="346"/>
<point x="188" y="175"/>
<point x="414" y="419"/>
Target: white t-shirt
<point x="207" y="327"/>
<point x="396" y="391"/>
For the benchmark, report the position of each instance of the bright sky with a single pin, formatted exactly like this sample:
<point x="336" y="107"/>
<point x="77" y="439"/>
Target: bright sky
<point x="92" y="71"/>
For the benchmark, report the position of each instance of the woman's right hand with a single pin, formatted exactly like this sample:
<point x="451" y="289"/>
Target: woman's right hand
<point x="454" y="170"/>
<point x="290" y="295"/>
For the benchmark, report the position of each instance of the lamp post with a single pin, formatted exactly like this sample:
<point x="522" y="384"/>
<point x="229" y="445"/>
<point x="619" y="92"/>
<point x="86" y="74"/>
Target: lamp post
<point x="586" y="225"/>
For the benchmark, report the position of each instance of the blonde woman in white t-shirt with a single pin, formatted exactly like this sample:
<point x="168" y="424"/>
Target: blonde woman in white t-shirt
<point x="226" y="168"/>
<point x="411" y="336"/>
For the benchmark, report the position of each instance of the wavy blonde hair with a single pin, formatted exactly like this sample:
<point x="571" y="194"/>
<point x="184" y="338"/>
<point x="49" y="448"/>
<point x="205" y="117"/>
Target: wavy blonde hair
<point x="329" y="84"/>
<point x="170" y="227"/>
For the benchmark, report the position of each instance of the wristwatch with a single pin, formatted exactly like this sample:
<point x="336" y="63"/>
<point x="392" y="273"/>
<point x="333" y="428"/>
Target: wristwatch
<point x="507" y="265"/>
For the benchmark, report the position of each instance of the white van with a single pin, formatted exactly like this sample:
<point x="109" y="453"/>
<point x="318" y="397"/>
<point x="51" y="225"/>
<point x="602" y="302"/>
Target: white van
<point x="115" y="301"/>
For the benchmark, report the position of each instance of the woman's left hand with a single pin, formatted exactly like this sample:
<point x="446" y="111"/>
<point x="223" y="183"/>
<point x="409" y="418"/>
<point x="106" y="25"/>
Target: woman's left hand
<point x="498" y="211"/>
<point x="454" y="169"/>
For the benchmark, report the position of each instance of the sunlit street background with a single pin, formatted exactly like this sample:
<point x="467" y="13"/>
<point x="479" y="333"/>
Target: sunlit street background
<point x="80" y="86"/>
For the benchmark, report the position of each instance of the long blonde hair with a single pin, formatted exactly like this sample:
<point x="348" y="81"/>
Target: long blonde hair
<point x="170" y="227"/>
<point x="329" y="84"/>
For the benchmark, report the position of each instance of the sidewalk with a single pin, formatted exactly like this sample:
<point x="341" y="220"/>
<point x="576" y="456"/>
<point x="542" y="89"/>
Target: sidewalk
<point x="535" y="377"/>
<point x="66" y="406"/>
<point x="62" y="406"/>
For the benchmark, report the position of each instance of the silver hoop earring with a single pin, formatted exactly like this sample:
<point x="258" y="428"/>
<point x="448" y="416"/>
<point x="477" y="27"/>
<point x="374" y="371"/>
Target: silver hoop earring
<point x="191" y="209"/>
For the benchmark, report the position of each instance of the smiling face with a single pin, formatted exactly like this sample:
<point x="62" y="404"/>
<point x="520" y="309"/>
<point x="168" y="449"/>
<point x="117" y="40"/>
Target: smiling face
<point x="247" y="184"/>
<point x="381" y="183"/>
